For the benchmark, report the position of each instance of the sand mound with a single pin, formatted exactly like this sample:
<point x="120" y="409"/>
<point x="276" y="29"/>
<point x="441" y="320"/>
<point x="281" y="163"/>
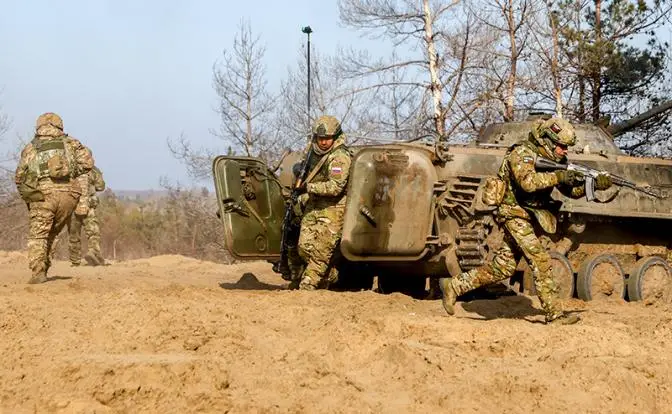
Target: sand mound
<point x="8" y="258"/>
<point x="173" y="334"/>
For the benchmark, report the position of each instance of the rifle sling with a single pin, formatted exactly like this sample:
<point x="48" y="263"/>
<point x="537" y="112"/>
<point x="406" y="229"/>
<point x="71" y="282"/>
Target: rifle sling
<point x="315" y="170"/>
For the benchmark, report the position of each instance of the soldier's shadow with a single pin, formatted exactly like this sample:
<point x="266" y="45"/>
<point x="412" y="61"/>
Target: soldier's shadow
<point x="55" y="278"/>
<point x="248" y="281"/>
<point x="503" y="307"/>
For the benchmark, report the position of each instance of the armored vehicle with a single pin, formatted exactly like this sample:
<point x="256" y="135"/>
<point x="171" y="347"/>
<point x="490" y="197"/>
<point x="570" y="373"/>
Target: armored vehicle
<point x="414" y="211"/>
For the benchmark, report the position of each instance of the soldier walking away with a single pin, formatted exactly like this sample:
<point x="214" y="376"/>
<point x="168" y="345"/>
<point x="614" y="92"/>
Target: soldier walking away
<point x="46" y="179"/>
<point x="85" y="216"/>
<point x="322" y="206"/>
<point x="526" y="196"/>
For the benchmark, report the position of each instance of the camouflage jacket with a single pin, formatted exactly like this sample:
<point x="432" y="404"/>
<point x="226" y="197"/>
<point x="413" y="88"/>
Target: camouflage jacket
<point x="80" y="161"/>
<point x="91" y="183"/>
<point x="528" y="192"/>
<point x="327" y="186"/>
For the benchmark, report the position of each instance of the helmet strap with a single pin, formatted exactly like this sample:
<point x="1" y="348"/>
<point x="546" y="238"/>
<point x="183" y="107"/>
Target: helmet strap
<point x="544" y="150"/>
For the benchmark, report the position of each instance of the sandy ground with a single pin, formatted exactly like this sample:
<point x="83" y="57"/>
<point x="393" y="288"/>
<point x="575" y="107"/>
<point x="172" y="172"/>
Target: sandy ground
<point x="172" y="334"/>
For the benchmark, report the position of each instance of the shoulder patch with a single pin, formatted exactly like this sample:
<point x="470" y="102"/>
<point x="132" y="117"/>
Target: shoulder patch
<point x="527" y="159"/>
<point x="338" y="164"/>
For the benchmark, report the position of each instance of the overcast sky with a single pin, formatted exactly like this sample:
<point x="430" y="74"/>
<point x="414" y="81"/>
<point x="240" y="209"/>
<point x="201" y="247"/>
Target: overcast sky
<point x="127" y="74"/>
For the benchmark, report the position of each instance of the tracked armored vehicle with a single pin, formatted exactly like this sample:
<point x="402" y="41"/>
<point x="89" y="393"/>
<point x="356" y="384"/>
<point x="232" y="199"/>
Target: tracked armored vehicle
<point x="414" y="211"/>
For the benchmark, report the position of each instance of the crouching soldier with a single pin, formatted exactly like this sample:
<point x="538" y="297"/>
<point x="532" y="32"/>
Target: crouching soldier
<point x="322" y="206"/>
<point x="526" y="196"/>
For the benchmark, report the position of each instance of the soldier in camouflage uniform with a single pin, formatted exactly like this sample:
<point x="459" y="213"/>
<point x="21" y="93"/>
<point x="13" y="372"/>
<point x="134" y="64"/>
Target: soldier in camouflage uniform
<point x="85" y="216"/>
<point x="527" y="197"/>
<point x="294" y="260"/>
<point x="322" y="205"/>
<point x="46" y="179"/>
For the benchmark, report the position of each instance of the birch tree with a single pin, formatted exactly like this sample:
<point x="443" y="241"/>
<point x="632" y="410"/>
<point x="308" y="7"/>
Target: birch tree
<point x="421" y="28"/>
<point x="331" y="93"/>
<point x="508" y="20"/>
<point x="245" y="107"/>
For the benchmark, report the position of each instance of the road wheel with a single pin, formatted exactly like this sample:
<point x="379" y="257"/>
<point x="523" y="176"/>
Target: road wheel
<point x="600" y="277"/>
<point x="650" y="279"/>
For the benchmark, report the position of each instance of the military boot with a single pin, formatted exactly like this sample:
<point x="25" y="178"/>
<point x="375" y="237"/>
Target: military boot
<point x="332" y="277"/>
<point x="294" y="284"/>
<point x="448" y="295"/>
<point x="99" y="257"/>
<point x="38" y="278"/>
<point x="307" y="284"/>
<point x="562" y="318"/>
<point x="92" y="260"/>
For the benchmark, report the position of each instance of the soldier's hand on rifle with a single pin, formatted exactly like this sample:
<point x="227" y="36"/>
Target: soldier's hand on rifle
<point x="302" y="189"/>
<point x="603" y="182"/>
<point x="568" y="177"/>
<point x="300" y="204"/>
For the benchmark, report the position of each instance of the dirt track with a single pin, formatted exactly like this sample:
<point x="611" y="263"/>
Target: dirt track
<point x="172" y="334"/>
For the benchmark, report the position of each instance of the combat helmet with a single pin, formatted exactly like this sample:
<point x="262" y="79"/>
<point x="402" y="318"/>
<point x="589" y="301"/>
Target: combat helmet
<point x="326" y="126"/>
<point x="551" y="132"/>
<point x="49" y="119"/>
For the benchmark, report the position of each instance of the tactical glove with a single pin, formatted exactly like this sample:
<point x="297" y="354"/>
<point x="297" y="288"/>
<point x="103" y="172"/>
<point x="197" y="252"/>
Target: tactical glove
<point x="602" y="182"/>
<point x="300" y="204"/>
<point x="568" y="177"/>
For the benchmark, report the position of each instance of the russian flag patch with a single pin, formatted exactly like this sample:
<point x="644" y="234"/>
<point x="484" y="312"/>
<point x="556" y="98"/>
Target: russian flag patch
<point x="336" y="170"/>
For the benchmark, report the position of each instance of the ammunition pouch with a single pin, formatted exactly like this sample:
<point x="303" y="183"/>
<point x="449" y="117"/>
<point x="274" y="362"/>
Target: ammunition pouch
<point x="53" y="160"/>
<point x="30" y="193"/>
<point x="58" y="168"/>
<point x="493" y="191"/>
<point x="82" y="208"/>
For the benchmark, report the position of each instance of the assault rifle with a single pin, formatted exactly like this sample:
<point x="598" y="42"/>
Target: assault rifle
<point x="589" y="176"/>
<point x="290" y="229"/>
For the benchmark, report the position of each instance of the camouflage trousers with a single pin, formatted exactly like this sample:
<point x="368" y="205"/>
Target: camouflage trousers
<point x="320" y="234"/>
<point x="47" y="219"/>
<point x="92" y="231"/>
<point x="297" y="265"/>
<point x="519" y="239"/>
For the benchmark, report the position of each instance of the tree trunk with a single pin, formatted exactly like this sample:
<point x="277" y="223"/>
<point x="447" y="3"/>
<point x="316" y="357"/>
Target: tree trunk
<point x="557" y="85"/>
<point x="596" y="67"/>
<point x="511" y="81"/>
<point x="435" y="83"/>
<point x="249" y="142"/>
<point x="579" y="63"/>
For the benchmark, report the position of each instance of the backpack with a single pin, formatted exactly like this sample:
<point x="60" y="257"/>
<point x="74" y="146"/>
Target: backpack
<point x="53" y="160"/>
<point x="494" y="189"/>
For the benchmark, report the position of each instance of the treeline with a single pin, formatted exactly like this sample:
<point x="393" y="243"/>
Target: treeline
<point x="183" y="221"/>
<point x="444" y="69"/>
